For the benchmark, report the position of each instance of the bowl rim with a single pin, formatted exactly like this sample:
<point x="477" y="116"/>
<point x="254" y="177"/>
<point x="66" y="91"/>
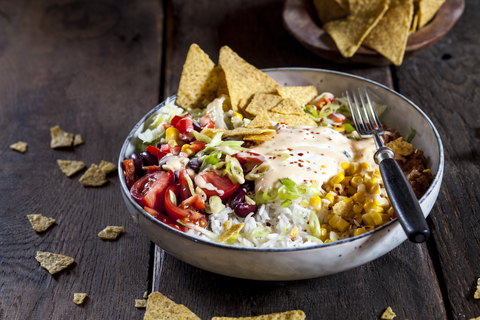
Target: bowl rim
<point x="437" y="179"/>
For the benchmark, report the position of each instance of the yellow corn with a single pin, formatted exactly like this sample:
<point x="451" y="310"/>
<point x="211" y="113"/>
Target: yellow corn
<point x="304" y="203"/>
<point x="377" y="173"/>
<point x="327" y="241"/>
<point x="236" y="114"/>
<point x="172" y="143"/>
<point x="342" y="225"/>
<point x="345" y="166"/>
<point x="188" y="150"/>
<point x="356" y="181"/>
<point x="323" y="234"/>
<point x="375" y="189"/>
<point x="171" y="134"/>
<point x="385" y="217"/>
<point x="351" y="190"/>
<point x="359" y="231"/>
<point x="390" y="211"/>
<point x="365" y="166"/>
<point x="367" y="218"/>
<point x="316" y="203"/>
<point x="337" y="179"/>
<point x="338" y="188"/>
<point x="356" y="168"/>
<point x="359" y="197"/>
<point x="330" y="198"/>
<point x="377" y="218"/>
<point x="357" y="208"/>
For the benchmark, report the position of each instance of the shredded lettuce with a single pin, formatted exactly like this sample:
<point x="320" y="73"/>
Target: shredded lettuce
<point x="164" y="116"/>
<point x="234" y="170"/>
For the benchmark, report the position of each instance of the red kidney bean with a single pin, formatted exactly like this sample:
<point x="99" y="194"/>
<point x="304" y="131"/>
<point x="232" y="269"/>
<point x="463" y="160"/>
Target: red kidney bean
<point x="148" y="159"/>
<point x="195" y="164"/>
<point x="237" y="202"/>
<point x="138" y="163"/>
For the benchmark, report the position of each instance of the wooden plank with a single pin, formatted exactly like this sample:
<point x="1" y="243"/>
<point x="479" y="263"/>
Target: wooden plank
<point x="92" y="68"/>
<point x="403" y="279"/>
<point x="443" y="81"/>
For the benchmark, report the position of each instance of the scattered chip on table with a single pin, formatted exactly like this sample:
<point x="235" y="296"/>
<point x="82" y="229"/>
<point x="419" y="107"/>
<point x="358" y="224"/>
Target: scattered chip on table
<point x="20" y="146"/>
<point x="329" y="10"/>
<point x="60" y="138"/>
<point x="145" y="295"/>
<point x="389" y="37"/>
<point x="70" y="167"/>
<point x="477" y="292"/>
<point x="477" y="318"/>
<point x="160" y="307"/>
<point x="243" y="79"/>
<point x="287" y="315"/>
<point x="427" y="10"/>
<point x="53" y="262"/>
<point x="110" y="232"/>
<point x="349" y="33"/>
<point x="77" y="140"/>
<point x="107" y="167"/>
<point x="302" y="95"/>
<point x="79" y="298"/>
<point x="388" y="314"/>
<point x="39" y="222"/>
<point x="262" y="102"/>
<point x="140" y="303"/>
<point x="247" y="131"/>
<point x="232" y="231"/>
<point x="288" y="106"/>
<point x="93" y="177"/>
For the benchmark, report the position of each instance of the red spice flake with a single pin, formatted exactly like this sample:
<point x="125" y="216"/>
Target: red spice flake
<point x="308" y="161"/>
<point x="329" y="138"/>
<point x="300" y="154"/>
<point x="291" y="154"/>
<point x="308" y="151"/>
<point x="322" y="154"/>
<point x="323" y="173"/>
<point x="315" y="171"/>
<point x="289" y="149"/>
<point x="300" y="160"/>
<point x="300" y="165"/>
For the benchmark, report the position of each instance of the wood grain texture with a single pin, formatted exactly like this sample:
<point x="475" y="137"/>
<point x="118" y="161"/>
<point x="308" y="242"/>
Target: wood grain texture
<point x="444" y="82"/>
<point x="93" y="68"/>
<point x="403" y="279"/>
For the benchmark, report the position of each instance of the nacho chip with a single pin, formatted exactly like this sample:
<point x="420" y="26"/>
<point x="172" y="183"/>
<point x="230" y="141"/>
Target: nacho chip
<point x="328" y="10"/>
<point x="20" y="146"/>
<point x="263" y="102"/>
<point x="140" y="303"/>
<point x="243" y="79"/>
<point x="288" y="315"/>
<point x="110" y="233"/>
<point x="78" y="298"/>
<point x="389" y="37"/>
<point x="302" y="95"/>
<point x="247" y="131"/>
<point x="414" y="26"/>
<point x="261" y="121"/>
<point x="77" y="139"/>
<point x="107" y="167"/>
<point x="145" y="295"/>
<point x="348" y="33"/>
<point x="160" y="307"/>
<point x="93" y="177"/>
<point x="222" y="83"/>
<point x="288" y="106"/>
<point x="199" y="80"/>
<point x="477" y="292"/>
<point x="230" y="232"/>
<point x="427" y="10"/>
<point x="388" y="314"/>
<point x="211" y="132"/>
<point x="53" y="262"/>
<point x="292" y="119"/>
<point x="39" y="222"/>
<point x="70" y="167"/>
<point x="258" y="137"/>
<point x="60" y="138"/>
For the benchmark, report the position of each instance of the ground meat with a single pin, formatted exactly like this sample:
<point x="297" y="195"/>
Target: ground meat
<point x="390" y="135"/>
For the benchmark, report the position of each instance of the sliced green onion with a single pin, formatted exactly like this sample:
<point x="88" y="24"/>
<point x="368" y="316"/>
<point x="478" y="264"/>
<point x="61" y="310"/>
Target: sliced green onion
<point x="209" y="234"/>
<point x="215" y="204"/>
<point x="230" y="143"/>
<point x="326" y="110"/>
<point x="314" y="190"/>
<point x="314" y="224"/>
<point x="412" y="134"/>
<point x="234" y="170"/>
<point x="289" y="184"/>
<point x="190" y="184"/>
<point x="173" y="198"/>
<point x="212" y="159"/>
<point x="314" y="239"/>
<point x="260" y="232"/>
<point x="205" y="102"/>
<point x="257" y="197"/>
<point x="218" y="165"/>
<point x="201" y="137"/>
<point x="286" y="203"/>
<point x="249" y="200"/>
<point x="270" y="193"/>
<point x="348" y="128"/>
<point x="233" y="238"/>
<point x="202" y="193"/>
<point x="258" y="171"/>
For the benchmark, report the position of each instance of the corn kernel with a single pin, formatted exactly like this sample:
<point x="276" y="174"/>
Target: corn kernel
<point x="172" y="143"/>
<point x="357" y="208"/>
<point x="304" y="203"/>
<point x="390" y="211"/>
<point x="171" y="134"/>
<point x="358" y="197"/>
<point x="385" y="217"/>
<point x="338" y="188"/>
<point x="337" y="179"/>
<point x="356" y="168"/>
<point x="375" y="189"/>
<point x="377" y="173"/>
<point x="365" y="166"/>
<point x="367" y="218"/>
<point x="377" y="218"/>
<point x="327" y="241"/>
<point x="236" y="114"/>
<point x="356" y="181"/>
<point x="316" y="203"/>
<point x="359" y="231"/>
<point x="345" y="166"/>
<point x="330" y="198"/>
<point x="323" y="234"/>
<point x="342" y="225"/>
<point x="351" y="190"/>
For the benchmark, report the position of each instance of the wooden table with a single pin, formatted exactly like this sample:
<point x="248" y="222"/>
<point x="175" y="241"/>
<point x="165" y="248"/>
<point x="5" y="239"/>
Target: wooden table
<point x="96" y="68"/>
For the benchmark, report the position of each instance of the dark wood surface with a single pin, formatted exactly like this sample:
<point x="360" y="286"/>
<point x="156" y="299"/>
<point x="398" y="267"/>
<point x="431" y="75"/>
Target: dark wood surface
<point x="96" y="68"/>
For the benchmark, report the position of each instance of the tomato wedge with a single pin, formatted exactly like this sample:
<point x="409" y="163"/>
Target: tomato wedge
<point x="150" y="189"/>
<point x="185" y="192"/>
<point x="222" y="186"/>
<point x="185" y="215"/>
<point x="338" y="117"/>
<point x="163" y="218"/>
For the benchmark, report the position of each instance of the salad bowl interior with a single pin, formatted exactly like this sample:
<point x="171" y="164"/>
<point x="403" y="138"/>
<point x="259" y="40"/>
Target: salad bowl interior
<point x="304" y="262"/>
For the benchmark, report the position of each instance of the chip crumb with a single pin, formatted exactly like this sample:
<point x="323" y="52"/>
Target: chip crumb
<point x="287" y="315"/>
<point x="79" y="298"/>
<point x="160" y="307"/>
<point x="145" y="295"/>
<point x="20" y="146"/>
<point x="140" y="303"/>
<point x="230" y="232"/>
<point x="39" y="222"/>
<point x="93" y="177"/>
<point x="477" y="293"/>
<point x="110" y="233"/>
<point x="77" y="140"/>
<point x="294" y="232"/>
<point x="401" y="147"/>
<point x="70" y="167"/>
<point x="388" y="314"/>
<point x="53" y="262"/>
<point x="107" y="167"/>
<point x="60" y="138"/>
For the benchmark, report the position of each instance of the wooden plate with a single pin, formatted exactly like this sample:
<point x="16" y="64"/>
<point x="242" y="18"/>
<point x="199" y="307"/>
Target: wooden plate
<point x="300" y="19"/>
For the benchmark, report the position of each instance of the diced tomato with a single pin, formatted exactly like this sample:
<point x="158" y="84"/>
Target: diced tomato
<point x="185" y="192"/>
<point x="197" y="145"/>
<point x="338" y="117"/>
<point x="244" y="157"/>
<point x="175" y="120"/>
<point x="176" y="150"/>
<point x="153" y="150"/>
<point x="220" y="183"/>
<point x="150" y="189"/>
<point x="194" y="201"/>
<point x="163" y="218"/>
<point x="129" y="172"/>
<point x="323" y="101"/>
<point x="166" y="126"/>
<point x="185" y="215"/>
<point x="206" y="122"/>
<point x="185" y="128"/>
<point x="166" y="148"/>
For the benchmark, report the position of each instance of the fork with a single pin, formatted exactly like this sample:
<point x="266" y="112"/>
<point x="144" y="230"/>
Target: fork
<point x="400" y="193"/>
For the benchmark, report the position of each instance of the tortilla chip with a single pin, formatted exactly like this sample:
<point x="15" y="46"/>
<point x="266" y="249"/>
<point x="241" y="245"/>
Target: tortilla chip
<point x="349" y="33"/>
<point x="211" y="132"/>
<point x="160" y="307"/>
<point x="60" y="138"/>
<point x="39" y="222"/>
<point x="263" y="102"/>
<point x="427" y="10"/>
<point x="233" y="230"/>
<point x="288" y="106"/>
<point x="77" y="139"/>
<point x="20" y="146"/>
<point x="70" y="167"/>
<point x="328" y="10"/>
<point x="247" y="131"/>
<point x="414" y="26"/>
<point x="261" y="121"/>
<point x="388" y="314"/>
<point x="477" y="292"/>
<point x="107" y="167"/>
<point x="222" y="83"/>
<point x="258" y="137"/>
<point x="199" y="80"/>
<point x="389" y="37"/>
<point x="53" y="262"/>
<point x="93" y="177"/>
<point x="243" y="79"/>
<point x="288" y="315"/>
<point x="110" y="233"/>
<point x="78" y="298"/>
<point x="145" y="295"/>
<point x="292" y="119"/>
<point x="140" y="303"/>
<point x="302" y="95"/>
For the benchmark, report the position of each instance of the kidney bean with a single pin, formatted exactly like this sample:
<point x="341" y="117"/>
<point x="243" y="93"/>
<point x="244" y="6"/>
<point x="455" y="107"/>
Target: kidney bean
<point x="148" y="159"/>
<point x="195" y="164"/>
<point x="244" y="209"/>
<point x="196" y="126"/>
<point x="138" y="162"/>
<point x="238" y="197"/>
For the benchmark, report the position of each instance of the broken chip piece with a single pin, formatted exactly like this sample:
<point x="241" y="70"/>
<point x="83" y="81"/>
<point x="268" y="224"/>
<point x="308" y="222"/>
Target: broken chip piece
<point x="145" y="295"/>
<point x="53" y="262"/>
<point x="39" y="222"/>
<point x="93" y="177"/>
<point x="77" y="139"/>
<point x="160" y="307"/>
<point x="477" y="292"/>
<point x="110" y="233"/>
<point x="60" y="138"/>
<point x="79" y="298"/>
<point x="70" y="167"/>
<point x="20" y="146"/>
<point x="140" y="303"/>
<point x="230" y="232"/>
<point x="302" y="95"/>
<point x="107" y="167"/>
<point x="388" y="314"/>
<point x="287" y="315"/>
<point x="247" y="131"/>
